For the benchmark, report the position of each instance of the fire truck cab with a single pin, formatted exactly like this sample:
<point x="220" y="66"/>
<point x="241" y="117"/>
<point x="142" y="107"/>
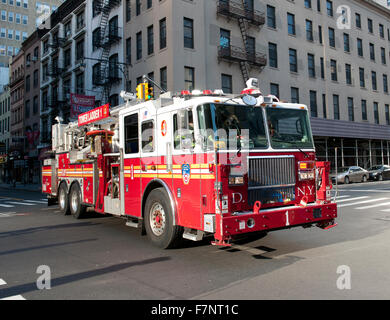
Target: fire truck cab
<point x="192" y="165"/>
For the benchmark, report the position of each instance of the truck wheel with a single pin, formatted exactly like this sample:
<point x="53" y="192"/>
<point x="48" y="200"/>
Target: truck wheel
<point x="76" y="208"/>
<point x="159" y="220"/>
<point x="63" y="199"/>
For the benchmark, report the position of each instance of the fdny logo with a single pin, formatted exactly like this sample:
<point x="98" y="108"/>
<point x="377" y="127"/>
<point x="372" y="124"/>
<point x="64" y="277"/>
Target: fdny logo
<point x="164" y="128"/>
<point x="186" y="173"/>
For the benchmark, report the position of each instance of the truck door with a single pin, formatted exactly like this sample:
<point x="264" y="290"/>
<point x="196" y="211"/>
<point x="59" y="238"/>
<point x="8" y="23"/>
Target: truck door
<point x="186" y="172"/>
<point x="130" y="136"/>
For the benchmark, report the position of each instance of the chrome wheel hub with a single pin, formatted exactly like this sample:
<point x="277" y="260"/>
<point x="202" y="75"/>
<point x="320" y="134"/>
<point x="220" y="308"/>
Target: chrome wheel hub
<point x="157" y="219"/>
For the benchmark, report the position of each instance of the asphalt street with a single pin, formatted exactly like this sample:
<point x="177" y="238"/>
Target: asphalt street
<point x="101" y="258"/>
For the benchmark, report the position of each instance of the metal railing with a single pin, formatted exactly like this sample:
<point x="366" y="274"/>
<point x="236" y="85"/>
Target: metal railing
<point x="237" y="54"/>
<point x="235" y="9"/>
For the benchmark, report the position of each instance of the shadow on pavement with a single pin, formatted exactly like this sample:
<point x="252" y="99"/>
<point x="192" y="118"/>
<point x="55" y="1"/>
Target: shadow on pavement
<point x="44" y="246"/>
<point x="29" y="287"/>
<point x="45" y="228"/>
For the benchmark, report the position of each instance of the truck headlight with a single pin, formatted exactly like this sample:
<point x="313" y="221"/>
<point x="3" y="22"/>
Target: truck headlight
<point x="236" y="180"/>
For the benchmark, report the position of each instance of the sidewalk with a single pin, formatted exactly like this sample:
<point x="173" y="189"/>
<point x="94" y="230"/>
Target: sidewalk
<point x="21" y="187"/>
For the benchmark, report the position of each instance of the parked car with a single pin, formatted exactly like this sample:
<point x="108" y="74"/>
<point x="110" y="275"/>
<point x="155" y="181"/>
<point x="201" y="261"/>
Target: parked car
<point x="351" y="174"/>
<point x="379" y="173"/>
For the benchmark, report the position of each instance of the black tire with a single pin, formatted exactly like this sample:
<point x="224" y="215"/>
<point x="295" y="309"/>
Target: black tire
<point x="76" y="208"/>
<point x="63" y="199"/>
<point x="159" y="213"/>
<point x="364" y="179"/>
<point x="346" y="180"/>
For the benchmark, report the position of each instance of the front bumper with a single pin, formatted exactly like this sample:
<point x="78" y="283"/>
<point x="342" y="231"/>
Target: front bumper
<point x="322" y="215"/>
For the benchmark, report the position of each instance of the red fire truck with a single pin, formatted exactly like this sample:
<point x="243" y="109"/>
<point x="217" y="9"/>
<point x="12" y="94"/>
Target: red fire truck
<point x="192" y="165"/>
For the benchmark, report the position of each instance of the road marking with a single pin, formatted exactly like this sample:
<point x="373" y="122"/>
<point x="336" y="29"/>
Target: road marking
<point x="6" y="214"/>
<point x="385" y="210"/>
<point x="2" y="282"/>
<point x="36" y="201"/>
<point x="361" y="202"/>
<point x="22" y="203"/>
<point x="340" y="197"/>
<point x="17" y="297"/>
<point x="374" y="206"/>
<point x="360" y="190"/>
<point x="6" y="205"/>
<point x="352" y="199"/>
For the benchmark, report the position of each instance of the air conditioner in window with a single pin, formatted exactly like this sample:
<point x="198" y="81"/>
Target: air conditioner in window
<point x="34" y="58"/>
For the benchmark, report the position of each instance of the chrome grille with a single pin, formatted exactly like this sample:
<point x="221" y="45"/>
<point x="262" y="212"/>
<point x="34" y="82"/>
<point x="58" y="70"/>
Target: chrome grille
<point x="271" y="179"/>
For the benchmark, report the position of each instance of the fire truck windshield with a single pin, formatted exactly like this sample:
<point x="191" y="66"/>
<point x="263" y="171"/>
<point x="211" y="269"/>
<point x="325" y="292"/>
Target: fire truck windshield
<point x="231" y="126"/>
<point x="289" y="128"/>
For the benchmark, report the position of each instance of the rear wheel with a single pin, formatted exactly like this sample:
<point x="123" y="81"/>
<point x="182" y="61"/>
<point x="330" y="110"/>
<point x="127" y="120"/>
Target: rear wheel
<point x="159" y="220"/>
<point x="76" y="208"/>
<point x="364" y="179"/>
<point x="380" y="177"/>
<point x="346" y="180"/>
<point x="63" y="199"/>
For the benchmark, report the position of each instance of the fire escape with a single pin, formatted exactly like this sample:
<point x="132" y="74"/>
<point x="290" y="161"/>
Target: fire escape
<point x="245" y="56"/>
<point x="108" y="73"/>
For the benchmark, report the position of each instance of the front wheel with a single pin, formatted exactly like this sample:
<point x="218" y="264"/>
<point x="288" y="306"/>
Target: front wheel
<point x="346" y="180"/>
<point x="380" y="177"/>
<point x="76" y="208"/>
<point x="364" y="179"/>
<point x="159" y="220"/>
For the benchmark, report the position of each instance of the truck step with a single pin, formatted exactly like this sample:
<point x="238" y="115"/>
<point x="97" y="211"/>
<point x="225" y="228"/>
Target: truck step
<point x="193" y="235"/>
<point x="133" y="224"/>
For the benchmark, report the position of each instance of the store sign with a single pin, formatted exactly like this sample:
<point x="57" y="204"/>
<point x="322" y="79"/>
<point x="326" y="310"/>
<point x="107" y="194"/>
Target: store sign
<point x="80" y="104"/>
<point x="94" y="115"/>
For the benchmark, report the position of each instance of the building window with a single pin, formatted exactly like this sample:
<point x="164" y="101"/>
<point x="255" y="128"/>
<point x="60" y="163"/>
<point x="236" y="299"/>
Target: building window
<point x="80" y="22"/>
<point x="163" y="33"/>
<point x="138" y="7"/>
<point x="370" y="27"/>
<point x="361" y="78"/>
<point x="333" y="70"/>
<point x="35" y="105"/>
<point x="271" y="17"/>
<point x="294" y="95"/>
<point x="67" y="57"/>
<point x="364" y="110"/>
<point x="291" y="23"/>
<point x="387" y="114"/>
<point x="311" y="65"/>
<point x="332" y="41"/>
<point x="150" y="40"/>
<point x="79" y="50"/>
<point x="128" y="10"/>
<point x="28" y="83"/>
<point x="348" y="74"/>
<point x="188" y="33"/>
<point x="308" y="4"/>
<point x="164" y="78"/>
<point x="313" y="103"/>
<point x="227" y="83"/>
<point x="128" y="50"/>
<point x="385" y="84"/>
<point x="80" y="83"/>
<point x="383" y="55"/>
<point x="35" y="78"/>
<point x="27" y="109"/>
<point x="372" y="52"/>
<point x="336" y="107"/>
<point x="320" y="34"/>
<point x="351" y="113"/>
<point x="189" y="78"/>
<point x="329" y="8"/>
<point x="293" y="60"/>
<point x="381" y="31"/>
<point x="96" y="39"/>
<point x="346" y="42"/>
<point x="376" y="113"/>
<point x="96" y="74"/>
<point x="322" y="67"/>
<point x="273" y="55"/>
<point x="324" y="111"/>
<point x="274" y="88"/>
<point x="358" y="20"/>
<point x="360" y="47"/>
<point x="374" y="84"/>
<point x="309" y="30"/>
<point x="139" y="45"/>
